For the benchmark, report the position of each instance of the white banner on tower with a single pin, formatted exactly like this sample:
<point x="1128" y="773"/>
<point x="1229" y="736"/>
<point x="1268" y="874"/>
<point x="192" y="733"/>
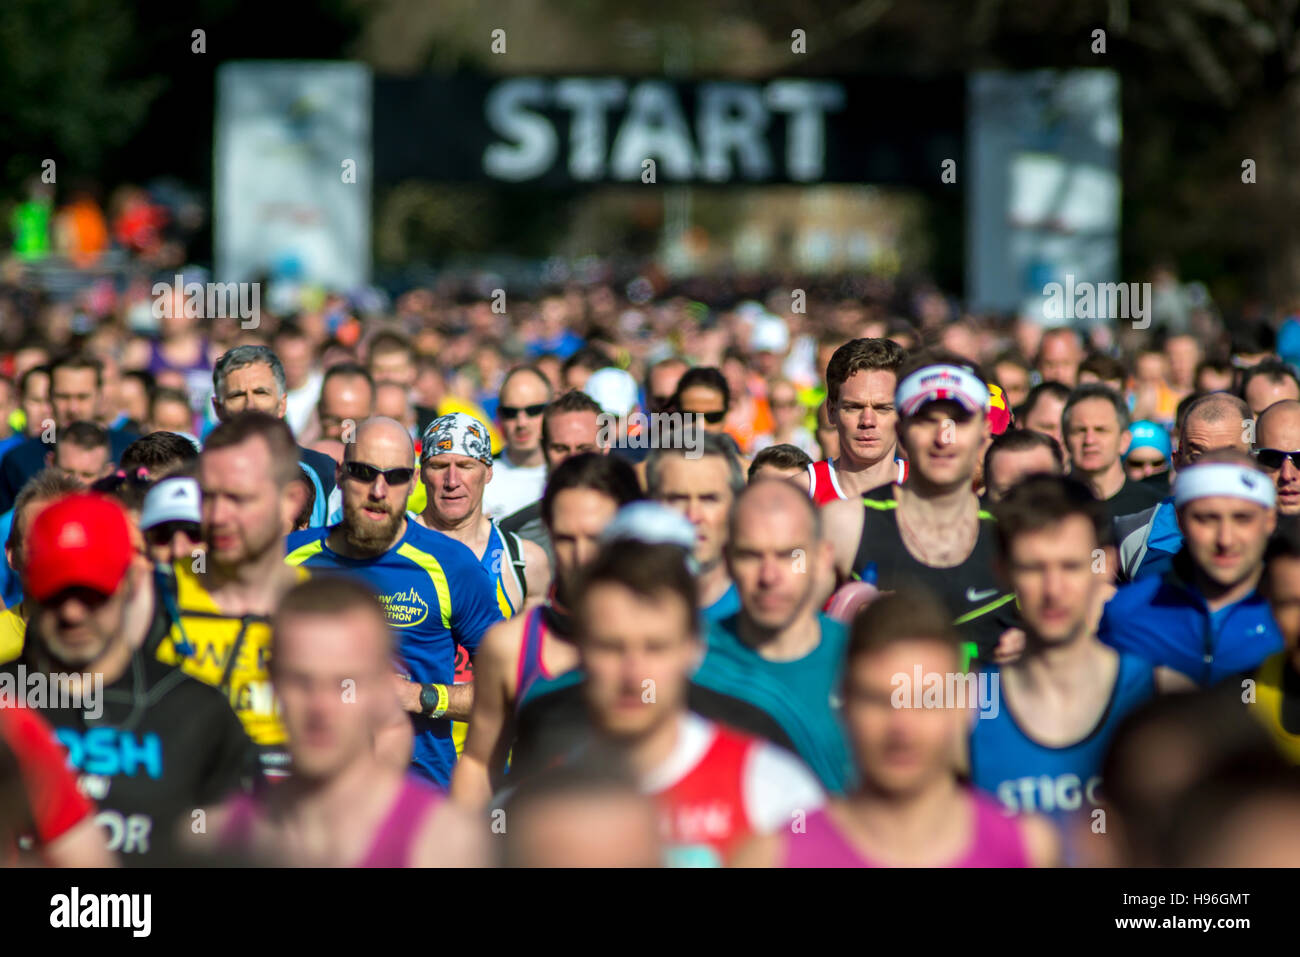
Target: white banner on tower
<point x="1044" y="201"/>
<point x="293" y="172"/>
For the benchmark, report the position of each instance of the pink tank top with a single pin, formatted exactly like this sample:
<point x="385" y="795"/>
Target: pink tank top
<point x="392" y="842"/>
<point x="997" y="842"/>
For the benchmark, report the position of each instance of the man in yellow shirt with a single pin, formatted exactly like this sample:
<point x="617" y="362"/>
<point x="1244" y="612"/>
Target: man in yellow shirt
<point x="223" y="598"/>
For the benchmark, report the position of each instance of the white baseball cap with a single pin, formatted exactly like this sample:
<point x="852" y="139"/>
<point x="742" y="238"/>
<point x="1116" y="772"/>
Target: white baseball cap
<point x="171" y="500"/>
<point x="614" y="390"/>
<point x="652" y="523"/>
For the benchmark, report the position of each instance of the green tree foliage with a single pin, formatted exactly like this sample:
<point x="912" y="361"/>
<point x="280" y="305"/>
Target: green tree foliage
<point x="63" y="93"/>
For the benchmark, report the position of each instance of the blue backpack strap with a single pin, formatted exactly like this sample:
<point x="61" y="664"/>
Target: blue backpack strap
<point x="320" y="508"/>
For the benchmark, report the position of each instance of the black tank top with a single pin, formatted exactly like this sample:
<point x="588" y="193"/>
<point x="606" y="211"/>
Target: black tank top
<point x="980" y="605"/>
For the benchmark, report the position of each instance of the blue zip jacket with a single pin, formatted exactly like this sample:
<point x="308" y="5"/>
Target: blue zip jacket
<point x="1165" y="620"/>
<point x="1165" y="542"/>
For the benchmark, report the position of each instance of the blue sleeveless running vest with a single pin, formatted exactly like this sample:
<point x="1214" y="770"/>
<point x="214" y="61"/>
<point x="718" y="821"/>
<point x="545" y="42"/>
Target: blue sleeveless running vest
<point x="1027" y="776"/>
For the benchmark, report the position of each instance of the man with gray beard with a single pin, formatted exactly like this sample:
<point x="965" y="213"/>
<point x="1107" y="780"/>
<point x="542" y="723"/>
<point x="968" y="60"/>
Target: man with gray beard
<point x="435" y="594"/>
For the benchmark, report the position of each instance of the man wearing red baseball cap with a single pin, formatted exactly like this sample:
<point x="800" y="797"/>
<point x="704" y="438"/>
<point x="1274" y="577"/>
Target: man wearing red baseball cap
<point x="78" y="553"/>
<point x="150" y="744"/>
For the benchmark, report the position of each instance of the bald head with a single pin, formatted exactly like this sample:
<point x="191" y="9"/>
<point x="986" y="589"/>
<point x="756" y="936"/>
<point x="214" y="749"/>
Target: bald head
<point x="1215" y="421"/>
<point x="777" y="558"/>
<point x="1216" y="407"/>
<point x="1278" y="426"/>
<point x="1276" y="432"/>
<point x="380" y="432"/>
<point x="557" y="823"/>
<point x="763" y="499"/>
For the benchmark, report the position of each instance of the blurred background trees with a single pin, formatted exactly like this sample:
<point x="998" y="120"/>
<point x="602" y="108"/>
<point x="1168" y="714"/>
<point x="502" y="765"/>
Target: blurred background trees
<point x="111" y="90"/>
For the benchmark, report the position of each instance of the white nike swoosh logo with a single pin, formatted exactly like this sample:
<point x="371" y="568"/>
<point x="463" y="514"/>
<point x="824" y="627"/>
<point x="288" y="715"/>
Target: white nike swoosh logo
<point x="972" y="595"/>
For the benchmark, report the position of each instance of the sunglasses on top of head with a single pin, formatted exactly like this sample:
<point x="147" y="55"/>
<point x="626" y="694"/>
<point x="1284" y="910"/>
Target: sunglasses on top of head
<point x="368" y="473"/>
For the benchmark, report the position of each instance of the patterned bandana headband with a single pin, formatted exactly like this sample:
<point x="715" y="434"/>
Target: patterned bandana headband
<point x="459" y="434"/>
<point x="1226" y="479"/>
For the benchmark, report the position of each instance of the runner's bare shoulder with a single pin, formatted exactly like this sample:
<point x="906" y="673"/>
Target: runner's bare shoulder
<point x="499" y="649"/>
<point x="1042" y="842"/>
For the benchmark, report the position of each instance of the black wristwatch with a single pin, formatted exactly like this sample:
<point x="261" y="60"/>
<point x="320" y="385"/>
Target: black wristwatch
<point x="433" y="700"/>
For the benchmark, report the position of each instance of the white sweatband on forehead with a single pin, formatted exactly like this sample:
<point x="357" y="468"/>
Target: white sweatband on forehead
<point x="938" y="383"/>
<point x="1223" y="479"/>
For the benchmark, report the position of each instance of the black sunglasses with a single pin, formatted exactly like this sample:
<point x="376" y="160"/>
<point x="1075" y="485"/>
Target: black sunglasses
<point x="508" y="412"/>
<point x="1272" y="459"/>
<point x="713" y="418"/>
<point x="368" y="473"/>
<point x="162" y="534"/>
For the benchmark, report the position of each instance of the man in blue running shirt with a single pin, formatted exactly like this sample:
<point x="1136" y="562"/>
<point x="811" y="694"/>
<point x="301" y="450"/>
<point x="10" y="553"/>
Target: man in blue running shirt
<point x="434" y="592"/>
<point x="1046" y="719"/>
<point x="1205" y="618"/>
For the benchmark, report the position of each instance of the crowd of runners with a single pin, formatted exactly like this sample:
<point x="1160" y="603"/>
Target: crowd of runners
<point x="631" y="574"/>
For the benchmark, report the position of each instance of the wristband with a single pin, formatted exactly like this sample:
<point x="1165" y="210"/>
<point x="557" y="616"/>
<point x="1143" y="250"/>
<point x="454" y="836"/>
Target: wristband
<point x="434" y="700"/>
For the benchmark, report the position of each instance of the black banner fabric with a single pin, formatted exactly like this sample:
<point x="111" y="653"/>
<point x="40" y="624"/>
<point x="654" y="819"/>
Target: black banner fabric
<point x="567" y="131"/>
